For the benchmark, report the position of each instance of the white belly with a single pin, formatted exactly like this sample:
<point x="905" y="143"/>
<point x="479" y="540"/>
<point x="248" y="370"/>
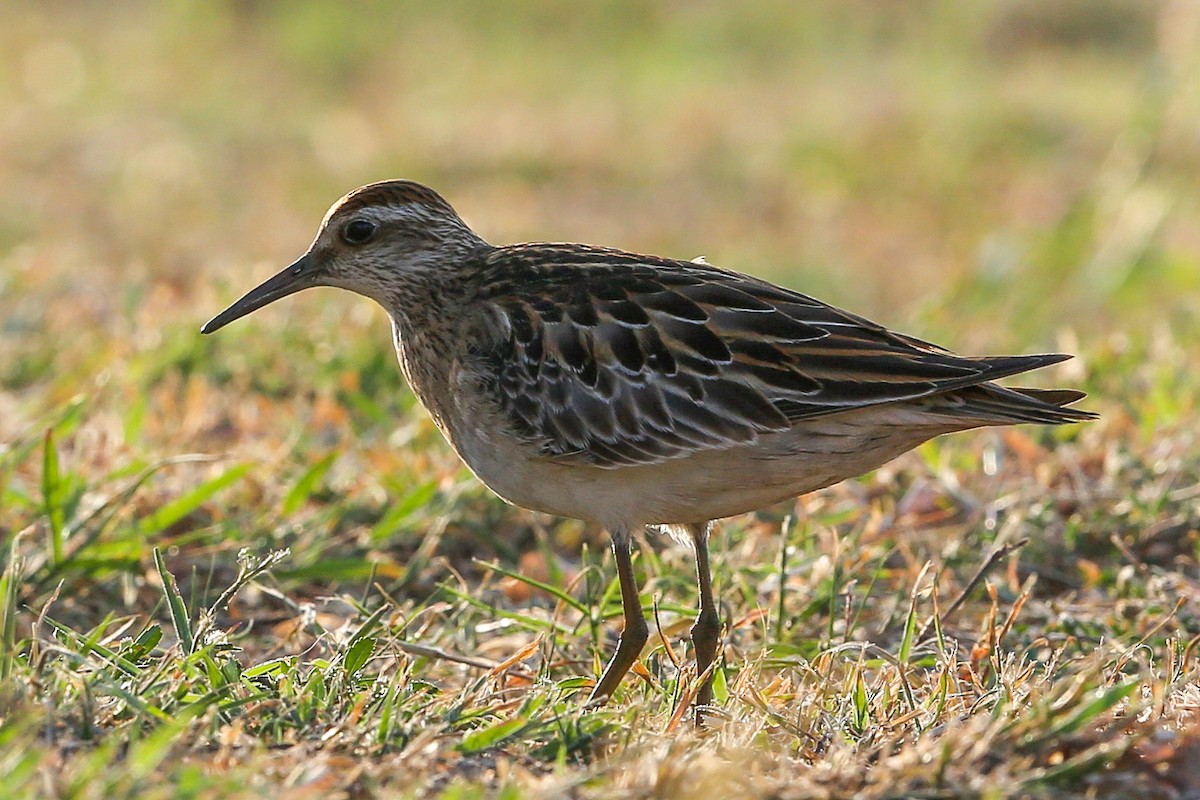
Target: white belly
<point x="704" y="486"/>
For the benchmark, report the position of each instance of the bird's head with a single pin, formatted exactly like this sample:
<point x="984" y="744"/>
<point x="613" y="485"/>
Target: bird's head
<point x="384" y="241"/>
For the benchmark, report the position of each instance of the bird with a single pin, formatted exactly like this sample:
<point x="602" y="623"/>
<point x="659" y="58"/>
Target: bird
<point x="635" y="391"/>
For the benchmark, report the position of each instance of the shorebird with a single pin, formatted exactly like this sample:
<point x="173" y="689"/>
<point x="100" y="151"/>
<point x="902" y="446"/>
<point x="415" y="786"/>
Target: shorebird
<point x="633" y="390"/>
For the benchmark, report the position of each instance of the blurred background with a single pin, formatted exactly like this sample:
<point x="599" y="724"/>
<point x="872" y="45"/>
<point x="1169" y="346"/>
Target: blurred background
<point x="995" y="175"/>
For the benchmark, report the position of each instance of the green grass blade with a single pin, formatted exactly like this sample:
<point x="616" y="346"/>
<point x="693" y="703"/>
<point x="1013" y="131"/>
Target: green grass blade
<point x="9" y="583"/>
<point x="89" y="645"/>
<point x="64" y="421"/>
<point x="402" y="509"/>
<point x="369" y="624"/>
<point x="492" y="735"/>
<point x="524" y="620"/>
<point x="52" y="500"/>
<point x="553" y="591"/>
<point x="1087" y="713"/>
<point x="358" y="654"/>
<point x="860" y="701"/>
<point x="303" y="488"/>
<point x="170" y="513"/>
<point x="179" y="615"/>
<point x="910" y="631"/>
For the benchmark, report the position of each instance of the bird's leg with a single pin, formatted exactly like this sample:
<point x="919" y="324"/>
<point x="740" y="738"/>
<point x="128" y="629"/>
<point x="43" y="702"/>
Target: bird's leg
<point x="706" y="632"/>
<point x="634" y="636"/>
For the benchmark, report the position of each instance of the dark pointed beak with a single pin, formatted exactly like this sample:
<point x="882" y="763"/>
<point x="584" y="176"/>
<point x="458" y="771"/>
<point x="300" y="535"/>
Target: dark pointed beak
<point x="300" y="275"/>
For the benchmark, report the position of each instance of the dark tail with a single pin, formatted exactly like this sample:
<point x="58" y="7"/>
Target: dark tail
<point x="992" y="404"/>
<point x="989" y="403"/>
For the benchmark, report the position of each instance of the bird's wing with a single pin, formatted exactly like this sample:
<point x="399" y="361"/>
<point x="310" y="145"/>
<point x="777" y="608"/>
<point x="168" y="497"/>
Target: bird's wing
<point x="612" y="359"/>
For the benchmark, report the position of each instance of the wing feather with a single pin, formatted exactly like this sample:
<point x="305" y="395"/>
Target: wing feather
<point x="612" y="359"/>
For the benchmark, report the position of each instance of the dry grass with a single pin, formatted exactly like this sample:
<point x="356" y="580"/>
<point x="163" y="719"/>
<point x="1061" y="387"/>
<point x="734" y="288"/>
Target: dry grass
<point x="248" y="566"/>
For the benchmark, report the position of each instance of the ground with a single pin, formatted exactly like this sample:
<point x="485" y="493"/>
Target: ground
<point x="247" y="566"/>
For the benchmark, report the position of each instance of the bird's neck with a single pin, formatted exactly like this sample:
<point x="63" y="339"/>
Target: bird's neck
<point x="424" y="352"/>
<point x="426" y="330"/>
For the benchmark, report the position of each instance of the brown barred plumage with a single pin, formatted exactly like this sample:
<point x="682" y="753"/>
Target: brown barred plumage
<point x="635" y="390"/>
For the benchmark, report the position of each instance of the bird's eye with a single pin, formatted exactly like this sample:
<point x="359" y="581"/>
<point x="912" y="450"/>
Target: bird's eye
<point x="358" y="231"/>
